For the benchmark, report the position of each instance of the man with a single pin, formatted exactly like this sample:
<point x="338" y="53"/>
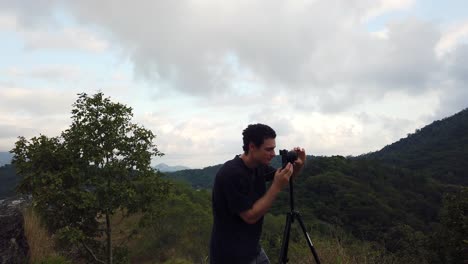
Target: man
<point x="240" y="199"/>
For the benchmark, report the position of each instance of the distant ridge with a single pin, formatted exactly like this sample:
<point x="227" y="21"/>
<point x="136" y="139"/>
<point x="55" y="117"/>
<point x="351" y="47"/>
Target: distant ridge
<point x="439" y="149"/>
<point x="5" y="158"/>
<point x="8" y="181"/>
<point x="166" y="168"/>
<point x="197" y="178"/>
<point x="203" y="178"/>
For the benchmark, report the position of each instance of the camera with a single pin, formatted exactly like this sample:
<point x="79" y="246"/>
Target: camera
<point x="287" y="156"/>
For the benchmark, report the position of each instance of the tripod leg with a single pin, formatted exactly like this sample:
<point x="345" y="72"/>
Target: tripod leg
<point x="309" y="242"/>
<point x="285" y="242"/>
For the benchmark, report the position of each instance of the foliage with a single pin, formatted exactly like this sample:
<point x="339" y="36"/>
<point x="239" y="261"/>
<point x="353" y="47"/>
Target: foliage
<point x="168" y="236"/>
<point x="397" y="208"/>
<point x="453" y="229"/>
<point x="404" y="204"/>
<point x="198" y="178"/>
<point x="372" y="201"/>
<point x="54" y="260"/>
<point x="99" y="165"/>
<point x="338" y="247"/>
<point x="178" y="227"/>
<point x="439" y="150"/>
<point x="204" y="178"/>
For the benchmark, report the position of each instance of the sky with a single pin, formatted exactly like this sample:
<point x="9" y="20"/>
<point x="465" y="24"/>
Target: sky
<point x="336" y="77"/>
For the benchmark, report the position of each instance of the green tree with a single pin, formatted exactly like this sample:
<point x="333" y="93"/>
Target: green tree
<point x="450" y="241"/>
<point x="96" y="167"/>
<point x="179" y="227"/>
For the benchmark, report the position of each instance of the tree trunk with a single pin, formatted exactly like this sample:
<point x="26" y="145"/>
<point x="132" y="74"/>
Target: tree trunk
<point x="109" y="241"/>
<point x="108" y="224"/>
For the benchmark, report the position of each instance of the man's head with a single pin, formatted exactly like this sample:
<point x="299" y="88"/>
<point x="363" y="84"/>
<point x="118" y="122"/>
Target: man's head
<point x="259" y="143"/>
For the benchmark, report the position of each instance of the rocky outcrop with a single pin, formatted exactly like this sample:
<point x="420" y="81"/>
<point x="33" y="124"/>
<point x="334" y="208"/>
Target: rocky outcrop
<point x="13" y="245"/>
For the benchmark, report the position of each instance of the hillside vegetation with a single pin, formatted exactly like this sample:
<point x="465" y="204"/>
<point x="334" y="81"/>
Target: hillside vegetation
<point x="397" y="197"/>
<point x="100" y="201"/>
<point x="439" y="150"/>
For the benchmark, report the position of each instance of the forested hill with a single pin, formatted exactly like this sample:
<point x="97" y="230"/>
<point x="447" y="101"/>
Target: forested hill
<point x="203" y="178"/>
<point x="394" y="197"/>
<point x="439" y="150"/>
<point x="198" y="178"/>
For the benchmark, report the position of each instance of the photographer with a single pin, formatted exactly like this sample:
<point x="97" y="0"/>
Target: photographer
<point x="240" y="199"/>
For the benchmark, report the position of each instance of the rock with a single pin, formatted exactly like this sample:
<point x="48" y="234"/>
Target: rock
<point x="13" y="244"/>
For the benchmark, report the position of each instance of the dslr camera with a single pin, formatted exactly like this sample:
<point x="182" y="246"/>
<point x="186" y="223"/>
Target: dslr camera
<point x="287" y="156"/>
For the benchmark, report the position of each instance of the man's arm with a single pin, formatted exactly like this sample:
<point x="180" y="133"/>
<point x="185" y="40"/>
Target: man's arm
<point x="262" y="205"/>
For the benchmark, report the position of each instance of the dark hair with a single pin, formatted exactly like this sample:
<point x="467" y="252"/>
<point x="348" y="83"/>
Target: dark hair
<point x="256" y="134"/>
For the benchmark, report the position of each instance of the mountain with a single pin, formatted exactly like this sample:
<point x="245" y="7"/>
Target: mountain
<point x="439" y="150"/>
<point x="390" y="195"/>
<point x="203" y="178"/>
<point x="394" y="196"/>
<point x="162" y="167"/>
<point x="409" y="197"/>
<point x="5" y="158"/>
<point x="197" y="178"/>
<point x="8" y="181"/>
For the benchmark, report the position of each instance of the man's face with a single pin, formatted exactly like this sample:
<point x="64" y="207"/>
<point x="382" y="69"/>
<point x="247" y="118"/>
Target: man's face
<point x="265" y="153"/>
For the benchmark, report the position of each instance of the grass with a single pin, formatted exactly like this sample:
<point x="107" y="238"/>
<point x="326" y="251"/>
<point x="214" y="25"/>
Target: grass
<point x="333" y="251"/>
<point x="330" y="250"/>
<point x="41" y="244"/>
<point x="149" y="245"/>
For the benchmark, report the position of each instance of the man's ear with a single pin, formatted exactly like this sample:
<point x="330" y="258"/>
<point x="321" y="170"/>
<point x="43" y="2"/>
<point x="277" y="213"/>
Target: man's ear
<point x="252" y="146"/>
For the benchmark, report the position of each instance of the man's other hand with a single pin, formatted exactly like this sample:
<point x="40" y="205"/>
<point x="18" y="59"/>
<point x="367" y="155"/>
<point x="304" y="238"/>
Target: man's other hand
<point x="282" y="176"/>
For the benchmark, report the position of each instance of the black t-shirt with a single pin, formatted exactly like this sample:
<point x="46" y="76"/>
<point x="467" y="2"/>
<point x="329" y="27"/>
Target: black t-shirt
<point x="236" y="188"/>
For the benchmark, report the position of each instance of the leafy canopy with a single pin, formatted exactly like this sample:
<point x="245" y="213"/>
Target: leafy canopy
<point x="99" y="165"/>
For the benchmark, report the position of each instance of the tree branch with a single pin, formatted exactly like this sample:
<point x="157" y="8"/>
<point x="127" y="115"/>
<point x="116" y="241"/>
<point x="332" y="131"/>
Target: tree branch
<point x="91" y="252"/>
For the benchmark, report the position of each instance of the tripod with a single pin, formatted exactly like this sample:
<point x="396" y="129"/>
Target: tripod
<point x="287" y="229"/>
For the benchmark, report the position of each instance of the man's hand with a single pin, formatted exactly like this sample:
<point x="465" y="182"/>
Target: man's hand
<point x="282" y="176"/>
<point x="261" y="206"/>
<point x="300" y="162"/>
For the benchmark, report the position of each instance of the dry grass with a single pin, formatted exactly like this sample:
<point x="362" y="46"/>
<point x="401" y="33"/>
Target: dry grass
<point x="332" y="251"/>
<point x="41" y="245"/>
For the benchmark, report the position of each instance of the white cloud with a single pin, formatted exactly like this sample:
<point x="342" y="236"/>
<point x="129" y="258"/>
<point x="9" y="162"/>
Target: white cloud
<point x="7" y="22"/>
<point x="29" y="112"/>
<point x="45" y="72"/>
<point x="456" y="35"/>
<point x="33" y="101"/>
<point x="66" y="39"/>
<point x="198" y="140"/>
<point x="310" y="69"/>
<point x="49" y="35"/>
<point x="319" y="47"/>
<point x="384" y="6"/>
<point x="381" y="34"/>
<point x="207" y="48"/>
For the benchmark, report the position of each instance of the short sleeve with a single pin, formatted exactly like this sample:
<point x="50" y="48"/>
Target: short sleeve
<point x="237" y="189"/>
<point x="269" y="173"/>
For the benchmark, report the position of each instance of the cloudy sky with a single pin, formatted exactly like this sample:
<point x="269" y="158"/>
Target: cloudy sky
<point x="335" y="77"/>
